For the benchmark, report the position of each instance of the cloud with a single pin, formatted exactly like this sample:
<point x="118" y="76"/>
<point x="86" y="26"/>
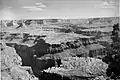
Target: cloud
<point x="9" y="7"/>
<point x="37" y="7"/>
<point x="33" y="8"/>
<point x="40" y="5"/>
<point x="108" y="4"/>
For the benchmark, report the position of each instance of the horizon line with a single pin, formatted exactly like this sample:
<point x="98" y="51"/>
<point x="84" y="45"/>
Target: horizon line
<point x="63" y="18"/>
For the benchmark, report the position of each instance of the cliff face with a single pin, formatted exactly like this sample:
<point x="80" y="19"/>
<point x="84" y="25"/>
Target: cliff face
<point x="11" y="68"/>
<point x="113" y="58"/>
<point x="9" y="58"/>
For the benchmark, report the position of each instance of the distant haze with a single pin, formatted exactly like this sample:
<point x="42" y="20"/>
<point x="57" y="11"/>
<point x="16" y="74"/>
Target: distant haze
<point x="37" y="9"/>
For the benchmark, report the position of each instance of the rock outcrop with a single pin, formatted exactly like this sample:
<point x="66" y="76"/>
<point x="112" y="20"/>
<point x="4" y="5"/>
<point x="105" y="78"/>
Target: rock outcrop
<point x="9" y="58"/>
<point x="11" y="68"/>
<point x="5" y="76"/>
<point x="80" y="67"/>
<point x="20" y="73"/>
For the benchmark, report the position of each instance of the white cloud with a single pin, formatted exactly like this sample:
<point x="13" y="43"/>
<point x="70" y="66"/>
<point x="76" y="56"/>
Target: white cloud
<point x="37" y="7"/>
<point x="33" y="8"/>
<point x="40" y="5"/>
<point x="109" y="4"/>
<point x="105" y="3"/>
<point x="9" y="7"/>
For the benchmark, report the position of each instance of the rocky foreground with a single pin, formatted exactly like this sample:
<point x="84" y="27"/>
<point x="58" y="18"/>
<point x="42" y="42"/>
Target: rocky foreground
<point x="11" y="68"/>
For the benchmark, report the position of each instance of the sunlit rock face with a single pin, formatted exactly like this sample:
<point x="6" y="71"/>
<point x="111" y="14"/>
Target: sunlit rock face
<point x="5" y="76"/>
<point x="82" y="67"/>
<point x="18" y="73"/>
<point x="9" y="58"/>
<point x="11" y="68"/>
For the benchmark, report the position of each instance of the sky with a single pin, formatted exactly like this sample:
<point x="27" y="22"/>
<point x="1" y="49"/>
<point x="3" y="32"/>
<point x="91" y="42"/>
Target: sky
<point x="39" y="9"/>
